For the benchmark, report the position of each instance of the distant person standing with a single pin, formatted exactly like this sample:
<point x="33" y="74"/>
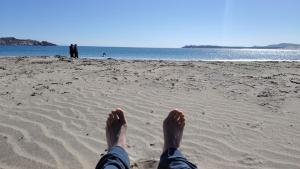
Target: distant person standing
<point x="76" y="51"/>
<point x="71" y="51"/>
<point x="104" y="54"/>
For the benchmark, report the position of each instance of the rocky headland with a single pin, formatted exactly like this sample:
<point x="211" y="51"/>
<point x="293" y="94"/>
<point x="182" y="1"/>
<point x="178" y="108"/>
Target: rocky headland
<point x="11" y="41"/>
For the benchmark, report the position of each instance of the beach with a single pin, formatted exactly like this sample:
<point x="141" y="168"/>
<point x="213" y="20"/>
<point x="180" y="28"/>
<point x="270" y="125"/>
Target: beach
<point x="239" y="115"/>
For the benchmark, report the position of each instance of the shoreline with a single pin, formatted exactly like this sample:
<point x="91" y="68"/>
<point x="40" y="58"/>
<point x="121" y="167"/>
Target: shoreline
<point x="146" y="59"/>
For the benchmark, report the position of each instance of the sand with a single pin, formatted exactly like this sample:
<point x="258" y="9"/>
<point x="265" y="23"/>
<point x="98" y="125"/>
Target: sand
<point x="240" y="115"/>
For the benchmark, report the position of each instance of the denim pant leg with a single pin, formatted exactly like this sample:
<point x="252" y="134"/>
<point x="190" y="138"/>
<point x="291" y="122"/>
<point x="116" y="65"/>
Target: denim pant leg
<point x="173" y="159"/>
<point x="116" y="158"/>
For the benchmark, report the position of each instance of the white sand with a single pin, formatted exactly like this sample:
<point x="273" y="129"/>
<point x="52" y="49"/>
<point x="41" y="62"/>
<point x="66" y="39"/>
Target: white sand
<point x="239" y="115"/>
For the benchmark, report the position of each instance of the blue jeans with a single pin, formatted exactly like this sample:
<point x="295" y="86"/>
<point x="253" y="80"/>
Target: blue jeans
<point x="117" y="158"/>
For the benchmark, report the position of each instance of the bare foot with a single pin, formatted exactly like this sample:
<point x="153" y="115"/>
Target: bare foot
<point x="173" y="129"/>
<point x="116" y="127"/>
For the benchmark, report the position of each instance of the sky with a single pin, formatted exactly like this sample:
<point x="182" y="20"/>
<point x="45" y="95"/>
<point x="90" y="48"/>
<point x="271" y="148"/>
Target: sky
<point x="152" y="23"/>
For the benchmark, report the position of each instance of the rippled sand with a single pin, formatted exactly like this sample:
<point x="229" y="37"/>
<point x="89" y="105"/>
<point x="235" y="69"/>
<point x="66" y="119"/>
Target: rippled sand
<point x="239" y="114"/>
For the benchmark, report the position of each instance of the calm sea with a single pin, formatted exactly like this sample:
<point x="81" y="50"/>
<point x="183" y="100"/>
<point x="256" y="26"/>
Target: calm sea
<point x="155" y="53"/>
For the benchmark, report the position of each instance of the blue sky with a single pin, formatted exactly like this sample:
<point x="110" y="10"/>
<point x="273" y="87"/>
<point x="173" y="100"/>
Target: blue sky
<point x="152" y="23"/>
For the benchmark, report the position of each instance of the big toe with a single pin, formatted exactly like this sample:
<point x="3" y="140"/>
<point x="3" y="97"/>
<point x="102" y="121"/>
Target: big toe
<point x="178" y="119"/>
<point x="121" y="115"/>
<point x="176" y="115"/>
<point x="173" y="114"/>
<point x="115" y="115"/>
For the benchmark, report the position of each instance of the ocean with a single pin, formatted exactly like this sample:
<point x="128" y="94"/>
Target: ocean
<point x="205" y="54"/>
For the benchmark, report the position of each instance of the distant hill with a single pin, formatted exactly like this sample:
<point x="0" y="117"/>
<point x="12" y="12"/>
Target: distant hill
<point x="11" y="41"/>
<point x="275" y="46"/>
<point x="285" y="46"/>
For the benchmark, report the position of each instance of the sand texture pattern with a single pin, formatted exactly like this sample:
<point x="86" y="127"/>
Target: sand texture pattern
<point x="239" y="115"/>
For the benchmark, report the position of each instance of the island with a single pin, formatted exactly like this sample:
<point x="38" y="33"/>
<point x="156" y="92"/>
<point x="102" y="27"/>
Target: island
<point x="12" y="41"/>
<point x="275" y="46"/>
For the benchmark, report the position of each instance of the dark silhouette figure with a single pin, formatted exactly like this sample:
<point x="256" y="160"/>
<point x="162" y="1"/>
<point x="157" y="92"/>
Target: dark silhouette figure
<point x="76" y="51"/>
<point x="71" y="51"/>
<point x="104" y="54"/>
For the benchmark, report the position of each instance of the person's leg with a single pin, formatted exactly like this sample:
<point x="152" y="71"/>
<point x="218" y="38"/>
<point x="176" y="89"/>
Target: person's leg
<point x="117" y="157"/>
<point x="173" y="130"/>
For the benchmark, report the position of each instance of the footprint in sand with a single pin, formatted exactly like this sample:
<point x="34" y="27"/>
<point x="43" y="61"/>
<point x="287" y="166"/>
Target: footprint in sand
<point x="250" y="160"/>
